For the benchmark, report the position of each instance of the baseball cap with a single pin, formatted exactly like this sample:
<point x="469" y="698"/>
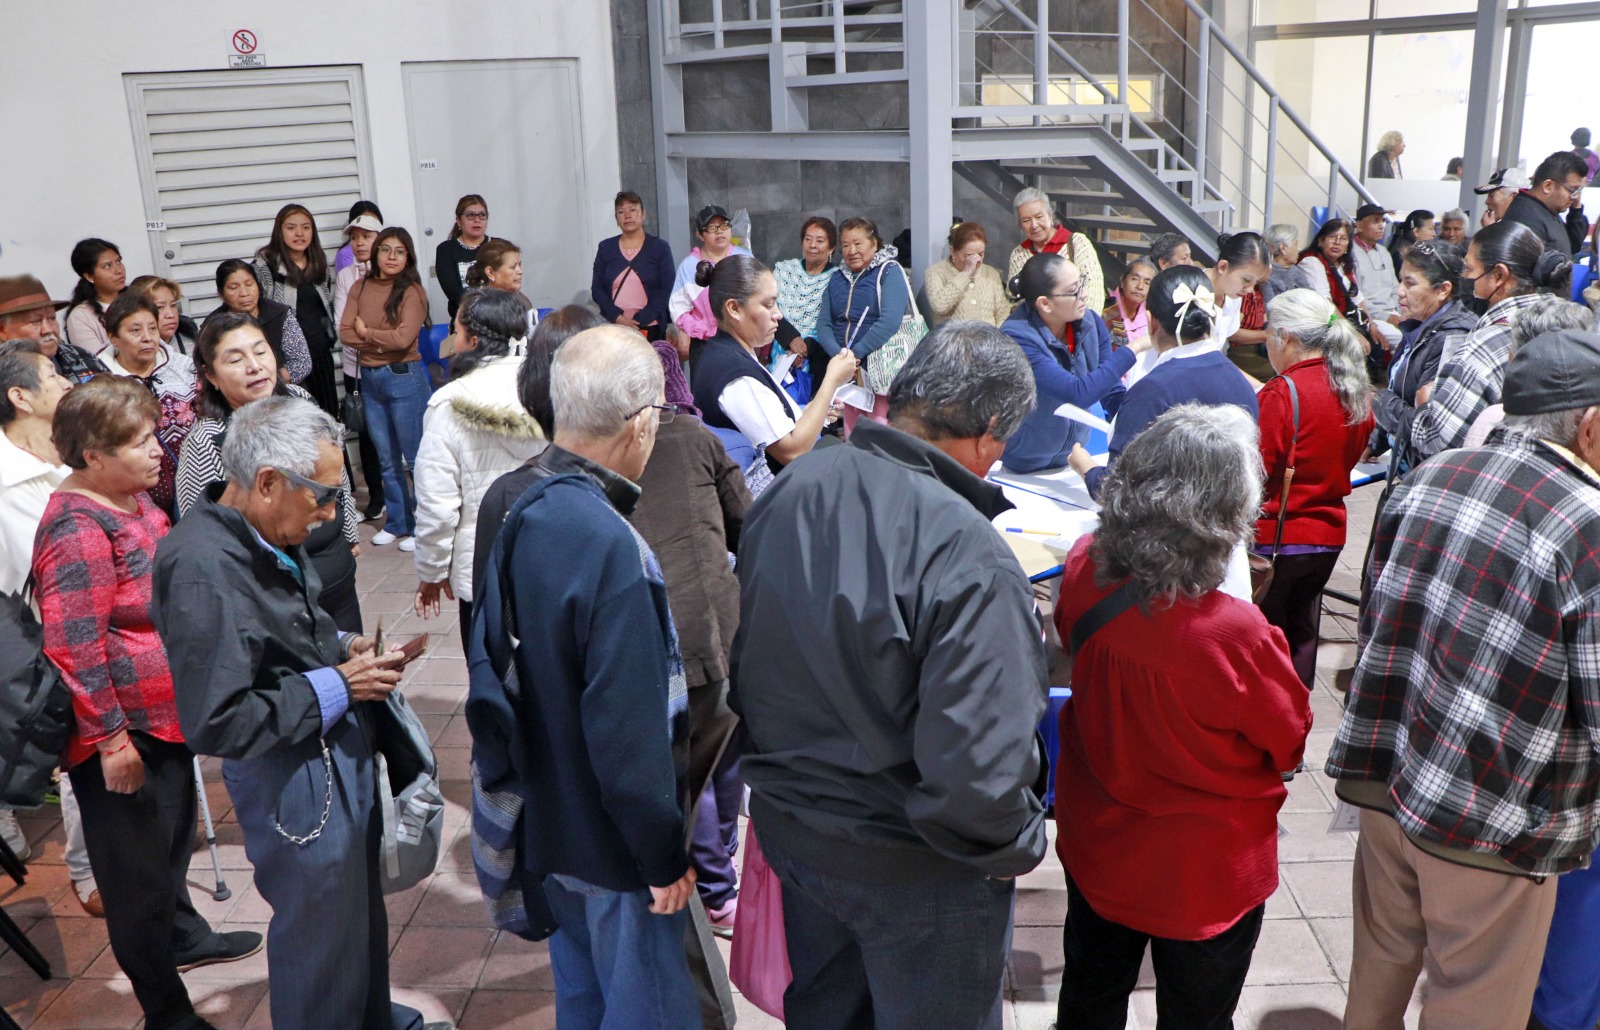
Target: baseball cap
<point x="1505" y="179"/>
<point x="1555" y="371"/>
<point x="367" y="222"/>
<point x="1368" y="210"/>
<point x="706" y="214"/>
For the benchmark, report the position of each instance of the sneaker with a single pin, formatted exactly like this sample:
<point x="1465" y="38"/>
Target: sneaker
<point x="222" y="947"/>
<point x="408" y="544"/>
<point x="721" y="919"/>
<point x="89" y="897"/>
<point x="12" y="834"/>
<point x="373" y="512"/>
<point x="383" y="538"/>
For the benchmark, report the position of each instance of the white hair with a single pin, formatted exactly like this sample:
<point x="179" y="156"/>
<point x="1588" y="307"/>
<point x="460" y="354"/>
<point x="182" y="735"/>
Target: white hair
<point x="1282" y="236"/>
<point x="284" y="433"/>
<point x="601" y="377"/>
<point x="1389" y="140"/>
<point x="1030" y="194"/>
<point x="1455" y="214"/>
<point x="1311" y="318"/>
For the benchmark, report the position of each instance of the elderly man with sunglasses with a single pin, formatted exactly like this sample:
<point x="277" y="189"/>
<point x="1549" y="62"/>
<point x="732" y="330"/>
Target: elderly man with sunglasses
<point x="265" y="680"/>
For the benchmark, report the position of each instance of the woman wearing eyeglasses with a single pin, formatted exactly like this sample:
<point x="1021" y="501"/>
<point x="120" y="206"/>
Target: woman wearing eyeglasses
<point x="454" y="256"/>
<point x="237" y="366"/>
<point x="1073" y="361"/>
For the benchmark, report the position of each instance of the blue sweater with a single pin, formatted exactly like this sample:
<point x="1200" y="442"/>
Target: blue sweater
<point x="1091" y="373"/>
<point x="1208" y="378"/>
<point x="856" y="316"/>
<point x="655" y="269"/>
<point x="596" y="721"/>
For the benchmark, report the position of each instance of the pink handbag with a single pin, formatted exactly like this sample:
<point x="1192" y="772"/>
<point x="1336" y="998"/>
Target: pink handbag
<point x="759" y="966"/>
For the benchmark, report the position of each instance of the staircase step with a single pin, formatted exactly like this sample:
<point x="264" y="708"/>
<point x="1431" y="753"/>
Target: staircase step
<point x="1067" y="196"/>
<point x="1074" y="169"/>
<point x="846" y="78"/>
<point x="1128" y="223"/>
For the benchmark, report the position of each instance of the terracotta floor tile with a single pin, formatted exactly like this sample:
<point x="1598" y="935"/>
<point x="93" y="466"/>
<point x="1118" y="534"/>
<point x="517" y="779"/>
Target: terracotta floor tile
<point x="227" y="1006"/>
<point x="69" y="945"/>
<point x="514" y="1010"/>
<point x="440" y="956"/>
<point x="25" y="999"/>
<point x="452" y="899"/>
<point x="518" y="965"/>
<point x="92" y="1005"/>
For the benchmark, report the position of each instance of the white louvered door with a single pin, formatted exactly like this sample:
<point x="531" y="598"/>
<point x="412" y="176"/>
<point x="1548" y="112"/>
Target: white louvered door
<point x="220" y="152"/>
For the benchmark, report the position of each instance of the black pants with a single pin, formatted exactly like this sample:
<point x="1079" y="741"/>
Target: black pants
<point x="371" y="470"/>
<point x="139" y="846"/>
<point x="1293" y="603"/>
<point x="711" y="725"/>
<point x="464" y="619"/>
<point x="340" y="600"/>
<point x="1197" y="982"/>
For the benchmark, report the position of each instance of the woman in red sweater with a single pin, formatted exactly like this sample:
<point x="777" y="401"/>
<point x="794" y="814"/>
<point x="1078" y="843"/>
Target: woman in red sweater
<point x="1167" y="784"/>
<point x="1324" y="358"/>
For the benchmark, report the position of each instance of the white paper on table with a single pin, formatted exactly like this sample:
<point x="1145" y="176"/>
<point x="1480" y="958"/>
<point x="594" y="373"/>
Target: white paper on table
<point x="780" y="368"/>
<point x="1088" y="418"/>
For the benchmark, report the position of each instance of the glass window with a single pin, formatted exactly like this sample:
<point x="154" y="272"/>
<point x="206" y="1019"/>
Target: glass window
<point x="1419" y="87"/>
<point x="1314" y="77"/>
<point x="1411" y="8"/>
<point x="1294" y="12"/>
<point x="1555" y="103"/>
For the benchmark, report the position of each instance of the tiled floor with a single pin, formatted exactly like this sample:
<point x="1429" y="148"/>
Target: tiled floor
<point x="446" y="961"/>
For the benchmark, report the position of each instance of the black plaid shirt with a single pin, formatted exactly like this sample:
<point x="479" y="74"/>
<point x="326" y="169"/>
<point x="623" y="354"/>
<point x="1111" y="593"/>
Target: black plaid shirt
<point x="1476" y="698"/>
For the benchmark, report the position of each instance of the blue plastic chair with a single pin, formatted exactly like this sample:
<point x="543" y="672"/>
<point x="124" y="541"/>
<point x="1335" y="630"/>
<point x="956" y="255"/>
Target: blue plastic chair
<point x="1050" y="730"/>
<point x="428" y="346"/>
<point x="1583" y="274"/>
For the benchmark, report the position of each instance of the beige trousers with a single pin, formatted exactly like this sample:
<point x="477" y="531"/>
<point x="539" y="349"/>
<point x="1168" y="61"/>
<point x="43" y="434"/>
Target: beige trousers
<point x="1479" y="934"/>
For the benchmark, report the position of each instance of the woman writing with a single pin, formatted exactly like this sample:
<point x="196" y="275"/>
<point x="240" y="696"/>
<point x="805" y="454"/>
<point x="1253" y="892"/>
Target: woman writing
<point x="458" y="252"/>
<point x="293" y="271"/>
<point x="131" y="773"/>
<point x="475" y="431"/>
<point x="1508" y="267"/>
<point x="964" y="287"/>
<point x="633" y="272"/>
<point x="137" y="352"/>
<point x="241" y="294"/>
<point x="1188" y="368"/>
<point x="1433" y="320"/>
<point x="1168" y="782"/>
<point x="1073" y="361"/>
<point x="1316" y="415"/>
<point x="101" y="276"/>
<point x="733" y="389"/>
<point x="385" y="313"/>
<point x="866" y="302"/>
<point x="237" y="366"/>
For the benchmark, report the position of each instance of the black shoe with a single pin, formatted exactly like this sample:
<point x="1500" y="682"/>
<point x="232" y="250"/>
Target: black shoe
<point x="373" y="511"/>
<point x="223" y="947"/>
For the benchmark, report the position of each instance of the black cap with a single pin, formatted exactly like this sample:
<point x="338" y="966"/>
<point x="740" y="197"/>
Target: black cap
<point x="706" y="214"/>
<point x="1555" y="371"/>
<point x="1368" y="210"/>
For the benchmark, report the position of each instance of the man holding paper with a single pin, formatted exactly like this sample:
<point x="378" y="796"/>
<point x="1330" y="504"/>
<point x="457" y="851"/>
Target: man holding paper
<point x="1069" y="349"/>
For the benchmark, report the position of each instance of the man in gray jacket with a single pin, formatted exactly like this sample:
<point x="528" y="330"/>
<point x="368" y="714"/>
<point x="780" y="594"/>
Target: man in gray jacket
<point x="890" y="670"/>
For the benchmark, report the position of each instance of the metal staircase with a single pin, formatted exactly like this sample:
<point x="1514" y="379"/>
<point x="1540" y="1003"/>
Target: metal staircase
<point x="1140" y="127"/>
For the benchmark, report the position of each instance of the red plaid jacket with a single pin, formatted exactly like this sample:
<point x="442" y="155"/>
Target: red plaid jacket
<point x="93" y="568"/>
<point x="1476" y="698"/>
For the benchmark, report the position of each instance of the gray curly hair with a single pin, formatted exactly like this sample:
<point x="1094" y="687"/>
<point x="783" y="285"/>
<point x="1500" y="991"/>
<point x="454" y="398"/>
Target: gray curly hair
<point x="1182" y="496"/>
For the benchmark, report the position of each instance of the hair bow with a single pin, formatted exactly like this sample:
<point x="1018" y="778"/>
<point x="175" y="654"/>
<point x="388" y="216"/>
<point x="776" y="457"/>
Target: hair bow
<point x="1201" y="297"/>
<point x="518" y="346"/>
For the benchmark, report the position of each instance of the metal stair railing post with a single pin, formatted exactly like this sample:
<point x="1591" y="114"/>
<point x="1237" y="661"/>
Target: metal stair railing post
<point x="1202" y="119"/>
<point x="1122" y="63"/>
<point x="1272" y="160"/>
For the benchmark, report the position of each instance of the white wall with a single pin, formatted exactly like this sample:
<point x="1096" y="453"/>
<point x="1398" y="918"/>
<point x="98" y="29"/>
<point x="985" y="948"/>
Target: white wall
<point x="67" y="167"/>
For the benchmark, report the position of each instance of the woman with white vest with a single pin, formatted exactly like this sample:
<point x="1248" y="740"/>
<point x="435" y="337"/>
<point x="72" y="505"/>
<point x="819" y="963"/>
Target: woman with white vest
<point x="475" y="430"/>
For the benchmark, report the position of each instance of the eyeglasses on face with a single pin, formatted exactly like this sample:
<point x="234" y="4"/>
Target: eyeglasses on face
<point x="1076" y="291"/>
<point x="475" y="216"/>
<point x="664" y="412"/>
<point x="321" y="493"/>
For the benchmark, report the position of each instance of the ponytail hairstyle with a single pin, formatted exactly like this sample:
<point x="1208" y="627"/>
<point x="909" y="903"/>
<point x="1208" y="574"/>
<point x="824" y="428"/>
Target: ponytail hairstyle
<point x="736" y="278"/>
<point x="1310" y="318"/>
<point x="85" y="258"/>
<point x="461" y="207"/>
<point x="408" y="278"/>
<point x="1523" y="254"/>
<point x="1243" y="248"/>
<point x="489" y="256"/>
<point x="363" y="207"/>
<point x="1184" y="320"/>
<point x="1037" y="278"/>
<point x="495" y="317"/>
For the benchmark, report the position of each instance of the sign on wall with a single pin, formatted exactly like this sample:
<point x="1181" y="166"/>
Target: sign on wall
<point x="245" y="55"/>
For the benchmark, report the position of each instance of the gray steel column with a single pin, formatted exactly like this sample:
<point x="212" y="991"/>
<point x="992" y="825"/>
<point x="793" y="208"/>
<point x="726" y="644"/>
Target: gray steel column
<point x="930" y="36"/>
<point x="1477" y="149"/>
<point x="666" y="97"/>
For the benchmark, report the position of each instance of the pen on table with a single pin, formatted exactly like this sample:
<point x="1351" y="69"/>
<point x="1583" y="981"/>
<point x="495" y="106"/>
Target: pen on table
<point x="1032" y="532"/>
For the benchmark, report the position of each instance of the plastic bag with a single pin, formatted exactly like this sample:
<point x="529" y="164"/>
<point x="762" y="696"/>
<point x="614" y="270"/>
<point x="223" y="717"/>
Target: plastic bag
<point x="759" y="965"/>
<point x="741" y="230"/>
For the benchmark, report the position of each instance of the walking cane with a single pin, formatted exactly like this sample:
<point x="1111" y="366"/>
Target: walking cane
<point x="221" y="893"/>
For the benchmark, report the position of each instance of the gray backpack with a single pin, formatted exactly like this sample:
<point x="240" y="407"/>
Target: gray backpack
<point x="409" y="800"/>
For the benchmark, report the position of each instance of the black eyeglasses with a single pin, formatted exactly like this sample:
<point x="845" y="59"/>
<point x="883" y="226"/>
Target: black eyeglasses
<point x="664" y="413"/>
<point x="322" y="493"/>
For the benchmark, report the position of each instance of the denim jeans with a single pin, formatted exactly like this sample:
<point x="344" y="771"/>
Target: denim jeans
<point x="394" y="402"/>
<point x="904" y="956"/>
<point x="617" y="965"/>
<point x="1568" y="997"/>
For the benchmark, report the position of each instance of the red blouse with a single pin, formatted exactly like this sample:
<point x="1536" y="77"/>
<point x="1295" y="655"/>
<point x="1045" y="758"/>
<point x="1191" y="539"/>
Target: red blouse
<point x="1167" y="784"/>
<point x="1327" y="448"/>
<point x="93" y="567"/>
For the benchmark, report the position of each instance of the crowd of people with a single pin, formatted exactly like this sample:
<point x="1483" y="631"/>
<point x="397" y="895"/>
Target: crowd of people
<point x="769" y="493"/>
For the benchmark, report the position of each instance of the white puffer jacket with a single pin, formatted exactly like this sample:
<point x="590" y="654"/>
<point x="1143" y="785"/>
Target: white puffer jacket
<point x="475" y="430"/>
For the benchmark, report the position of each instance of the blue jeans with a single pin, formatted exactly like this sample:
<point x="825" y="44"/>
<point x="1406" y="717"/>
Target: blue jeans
<point x="394" y="398"/>
<point x="617" y="965"/>
<point x="1568" y="997"/>
<point x="902" y="956"/>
